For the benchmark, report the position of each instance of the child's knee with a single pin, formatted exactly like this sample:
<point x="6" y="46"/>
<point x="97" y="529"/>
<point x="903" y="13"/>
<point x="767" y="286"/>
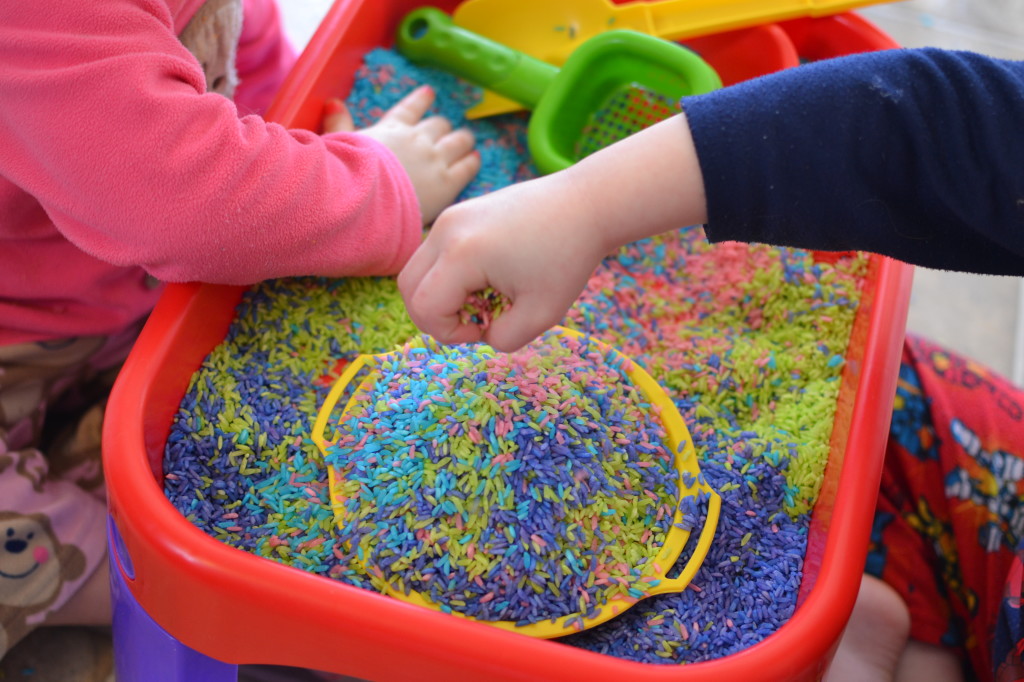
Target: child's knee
<point x="880" y="606"/>
<point x="875" y="637"/>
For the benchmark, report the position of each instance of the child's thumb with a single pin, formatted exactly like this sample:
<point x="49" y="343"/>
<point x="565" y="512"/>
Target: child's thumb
<point x="337" y="117"/>
<point x="524" y="321"/>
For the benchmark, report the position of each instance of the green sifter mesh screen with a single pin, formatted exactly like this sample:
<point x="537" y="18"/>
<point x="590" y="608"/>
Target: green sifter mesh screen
<point x="629" y="109"/>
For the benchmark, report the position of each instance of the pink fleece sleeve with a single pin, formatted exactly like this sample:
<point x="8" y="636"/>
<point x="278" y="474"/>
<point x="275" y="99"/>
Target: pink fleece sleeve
<point x="264" y="56"/>
<point x="105" y="122"/>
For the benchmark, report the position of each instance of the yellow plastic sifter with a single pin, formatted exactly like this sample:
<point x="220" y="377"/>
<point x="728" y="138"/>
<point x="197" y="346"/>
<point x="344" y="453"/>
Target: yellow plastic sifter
<point x="550" y="31"/>
<point x="690" y="483"/>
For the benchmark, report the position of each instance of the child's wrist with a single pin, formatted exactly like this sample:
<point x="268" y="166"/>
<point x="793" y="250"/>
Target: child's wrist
<point x="587" y="201"/>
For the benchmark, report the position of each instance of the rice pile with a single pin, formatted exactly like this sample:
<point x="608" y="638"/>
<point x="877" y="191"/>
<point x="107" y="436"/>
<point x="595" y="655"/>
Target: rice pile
<point x="483" y="308"/>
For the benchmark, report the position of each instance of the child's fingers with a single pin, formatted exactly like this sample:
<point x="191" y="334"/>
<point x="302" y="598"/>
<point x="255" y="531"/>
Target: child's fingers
<point x="411" y="108"/>
<point x="465" y="169"/>
<point x="435" y="303"/>
<point x="415" y="268"/>
<point x="517" y="326"/>
<point x="464" y="333"/>
<point x="435" y="127"/>
<point x="456" y="145"/>
<point x="337" y="117"/>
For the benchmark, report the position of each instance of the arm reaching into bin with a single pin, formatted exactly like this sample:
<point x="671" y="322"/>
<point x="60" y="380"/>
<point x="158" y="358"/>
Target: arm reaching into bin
<point x="539" y="241"/>
<point x="117" y="147"/>
<point x="914" y="154"/>
<point x="121" y="158"/>
<point x="439" y="161"/>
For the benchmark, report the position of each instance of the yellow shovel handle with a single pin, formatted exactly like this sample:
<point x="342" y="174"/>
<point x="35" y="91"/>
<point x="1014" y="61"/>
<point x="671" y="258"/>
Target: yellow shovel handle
<point x="332" y="398"/>
<point x="679" y="19"/>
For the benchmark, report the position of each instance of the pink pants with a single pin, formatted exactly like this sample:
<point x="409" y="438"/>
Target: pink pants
<point x="52" y="507"/>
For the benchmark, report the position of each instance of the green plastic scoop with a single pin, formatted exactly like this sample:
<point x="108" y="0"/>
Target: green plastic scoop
<point x="612" y="85"/>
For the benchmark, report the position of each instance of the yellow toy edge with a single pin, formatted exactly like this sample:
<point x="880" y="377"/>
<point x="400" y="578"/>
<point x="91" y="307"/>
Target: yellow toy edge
<point x="685" y="460"/>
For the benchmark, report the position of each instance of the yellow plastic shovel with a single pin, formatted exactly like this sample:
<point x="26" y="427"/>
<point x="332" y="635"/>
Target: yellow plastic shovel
<point x="550" y="30"/>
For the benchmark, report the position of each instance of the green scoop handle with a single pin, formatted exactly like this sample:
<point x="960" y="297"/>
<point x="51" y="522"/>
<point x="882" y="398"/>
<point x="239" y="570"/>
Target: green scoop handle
<point x="428" y="36"/>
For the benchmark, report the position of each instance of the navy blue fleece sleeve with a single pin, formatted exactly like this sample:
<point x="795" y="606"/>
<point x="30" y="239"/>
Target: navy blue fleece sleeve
<point x="914" y="153"/>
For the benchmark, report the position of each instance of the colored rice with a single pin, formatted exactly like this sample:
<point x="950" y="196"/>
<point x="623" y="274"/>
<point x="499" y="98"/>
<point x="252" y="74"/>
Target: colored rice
<point x="748" y="340"/>
<point x="519" y="487"/>
<point x="483" y="308"/>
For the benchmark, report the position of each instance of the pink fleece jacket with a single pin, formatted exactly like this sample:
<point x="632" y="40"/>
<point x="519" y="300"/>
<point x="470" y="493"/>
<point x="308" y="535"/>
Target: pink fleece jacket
<point x="115" y="163"/>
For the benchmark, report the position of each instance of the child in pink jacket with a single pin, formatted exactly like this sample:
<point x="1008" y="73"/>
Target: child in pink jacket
<point x="125" y="163"/>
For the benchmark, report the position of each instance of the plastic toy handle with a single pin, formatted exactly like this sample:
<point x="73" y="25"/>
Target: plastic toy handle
<point x="679" y="19"/>
<point x="332" y="398"/>
<point x="707" y="534"/>
<point x="428" y="36"/>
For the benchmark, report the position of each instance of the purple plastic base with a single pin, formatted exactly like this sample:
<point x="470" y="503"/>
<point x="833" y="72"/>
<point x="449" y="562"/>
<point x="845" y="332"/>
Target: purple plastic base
<point x="143" y="651"/>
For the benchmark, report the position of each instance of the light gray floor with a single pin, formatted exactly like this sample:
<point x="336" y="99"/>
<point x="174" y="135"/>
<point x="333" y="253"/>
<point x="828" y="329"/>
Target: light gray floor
<point x="973" y="314"/>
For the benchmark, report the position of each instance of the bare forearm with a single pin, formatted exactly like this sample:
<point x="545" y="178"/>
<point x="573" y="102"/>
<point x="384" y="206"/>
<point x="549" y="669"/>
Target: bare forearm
<point x="644" y="185"/>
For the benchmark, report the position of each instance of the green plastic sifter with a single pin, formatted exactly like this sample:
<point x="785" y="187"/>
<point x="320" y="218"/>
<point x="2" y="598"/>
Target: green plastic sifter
<point x="611" y="86"/>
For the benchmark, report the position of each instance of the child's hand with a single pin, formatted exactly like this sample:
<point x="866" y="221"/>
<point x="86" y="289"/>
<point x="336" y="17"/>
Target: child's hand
<point x="439" y="161"/>
<point x="533" y="242"/>
<point x="538" y="242"/>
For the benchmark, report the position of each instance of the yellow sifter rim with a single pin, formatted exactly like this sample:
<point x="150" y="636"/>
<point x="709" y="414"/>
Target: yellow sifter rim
<point x="677" y="439"/>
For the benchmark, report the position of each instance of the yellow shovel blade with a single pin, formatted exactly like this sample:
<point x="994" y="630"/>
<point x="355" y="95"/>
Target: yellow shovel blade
<point x="551" y="29"/>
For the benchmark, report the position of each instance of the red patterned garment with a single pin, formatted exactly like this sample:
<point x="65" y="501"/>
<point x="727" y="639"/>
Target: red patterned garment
<point x="950" y="515"/>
